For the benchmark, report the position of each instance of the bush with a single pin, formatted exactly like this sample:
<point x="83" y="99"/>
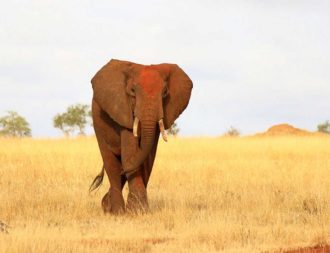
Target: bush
<point x="232" y="132"/>
<point x="173" y="130"/>
<point x="324" y="127"/>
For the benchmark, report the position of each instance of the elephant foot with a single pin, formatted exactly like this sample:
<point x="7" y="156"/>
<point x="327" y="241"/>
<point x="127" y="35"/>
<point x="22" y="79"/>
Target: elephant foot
<point x="137" y="202"/>
<point x="113" y="203"/>
<point x="106" y="204"/>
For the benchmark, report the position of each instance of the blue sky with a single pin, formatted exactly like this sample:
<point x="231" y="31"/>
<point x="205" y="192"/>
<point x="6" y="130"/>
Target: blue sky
<point x="253" y="63"/>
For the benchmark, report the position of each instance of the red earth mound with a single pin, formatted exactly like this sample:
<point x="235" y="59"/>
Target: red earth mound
<point x="315" y="249"/>
<point x="285" y="129"/>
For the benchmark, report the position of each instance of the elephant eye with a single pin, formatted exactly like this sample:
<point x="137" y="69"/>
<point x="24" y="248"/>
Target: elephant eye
<point x="132" y="90"/>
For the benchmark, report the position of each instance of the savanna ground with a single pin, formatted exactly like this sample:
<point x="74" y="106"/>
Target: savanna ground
<point x="205" y="195"/>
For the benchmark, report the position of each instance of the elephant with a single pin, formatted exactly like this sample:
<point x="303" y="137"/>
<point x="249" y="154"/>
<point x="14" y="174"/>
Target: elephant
<point x="132" y="105"/>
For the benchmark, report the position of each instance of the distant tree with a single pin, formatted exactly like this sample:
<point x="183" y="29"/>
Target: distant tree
<point x="60" y="121"/>
<point x="75" y="118"/>
<point x="173" y="130"/>
<point x="232" y="132"/>
<point x="14" y="125"/>
<point x="89" y="114"/>
<point x="324" y="127"/>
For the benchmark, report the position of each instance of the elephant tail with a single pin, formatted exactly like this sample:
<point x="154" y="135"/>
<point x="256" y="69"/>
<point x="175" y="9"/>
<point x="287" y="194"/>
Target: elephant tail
<point x="97" y="181"/>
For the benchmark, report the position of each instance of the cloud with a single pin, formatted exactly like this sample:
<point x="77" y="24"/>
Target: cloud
<point x="253" y="63"/>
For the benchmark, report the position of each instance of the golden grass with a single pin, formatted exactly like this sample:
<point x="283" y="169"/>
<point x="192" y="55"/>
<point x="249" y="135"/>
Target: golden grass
<point x="205" y="195"/>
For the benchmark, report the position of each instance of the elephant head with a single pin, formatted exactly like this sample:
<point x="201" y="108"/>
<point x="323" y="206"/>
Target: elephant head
<point x="141" y="97"/>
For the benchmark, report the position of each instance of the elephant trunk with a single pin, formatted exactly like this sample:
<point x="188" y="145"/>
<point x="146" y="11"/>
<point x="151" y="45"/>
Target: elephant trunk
<point x="148" y="131"/>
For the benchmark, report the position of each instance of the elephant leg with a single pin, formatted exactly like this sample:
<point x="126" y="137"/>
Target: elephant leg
<point x="113" y="201"/>
<point x="106" y="200"/>
<point x="149" y="162"/>
<point x="107" y="131"/>
<point x="137" y="196"/>
<point x="137" y="200"/>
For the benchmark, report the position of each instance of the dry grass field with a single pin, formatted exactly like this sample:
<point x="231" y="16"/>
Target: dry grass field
<point x="205" y="195"/>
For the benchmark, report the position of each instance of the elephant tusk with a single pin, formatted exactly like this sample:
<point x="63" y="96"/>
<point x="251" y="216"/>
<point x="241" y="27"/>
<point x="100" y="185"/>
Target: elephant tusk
<point x="162" y="129"/>
<point x="135" y="126"/>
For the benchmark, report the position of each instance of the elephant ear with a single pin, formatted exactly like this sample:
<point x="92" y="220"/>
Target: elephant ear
<point x="179" y="91"/>
<point x="109" y="86"/>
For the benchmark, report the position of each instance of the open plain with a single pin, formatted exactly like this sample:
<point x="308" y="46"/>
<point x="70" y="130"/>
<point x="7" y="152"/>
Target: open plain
<point x="251" y="194"/>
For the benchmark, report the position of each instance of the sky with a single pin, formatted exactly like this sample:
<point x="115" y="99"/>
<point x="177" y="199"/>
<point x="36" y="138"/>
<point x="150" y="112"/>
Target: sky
<point x="253" y="63"/>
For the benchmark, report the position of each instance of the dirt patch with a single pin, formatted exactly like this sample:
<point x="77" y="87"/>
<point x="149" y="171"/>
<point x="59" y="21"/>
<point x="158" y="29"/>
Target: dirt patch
<point x="315" y="249"/>
<point x="284" y="130"/>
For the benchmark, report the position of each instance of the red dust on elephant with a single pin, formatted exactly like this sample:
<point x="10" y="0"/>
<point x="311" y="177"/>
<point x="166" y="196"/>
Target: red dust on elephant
<point x="132" y="105"/>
